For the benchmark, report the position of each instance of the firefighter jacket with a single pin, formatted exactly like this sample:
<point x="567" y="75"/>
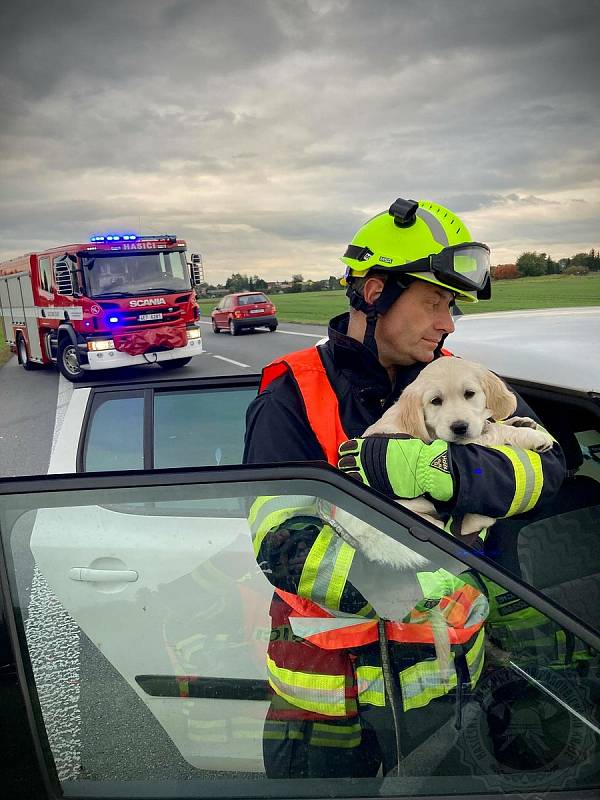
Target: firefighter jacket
<point x="322" y="660"/>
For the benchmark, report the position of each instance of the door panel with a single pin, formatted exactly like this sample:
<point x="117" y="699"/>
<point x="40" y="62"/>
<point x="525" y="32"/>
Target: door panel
<point x="162" y="676"/>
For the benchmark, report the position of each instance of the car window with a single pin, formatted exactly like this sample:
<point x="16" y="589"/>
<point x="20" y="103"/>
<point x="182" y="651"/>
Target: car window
<point x="183" y="428"/>
<point x="196" y="428"/>
<point x="115" y="435"/>
<point x="249" y="299"/>
<point x="200" y="663"/>
<point x="554" y="548"/>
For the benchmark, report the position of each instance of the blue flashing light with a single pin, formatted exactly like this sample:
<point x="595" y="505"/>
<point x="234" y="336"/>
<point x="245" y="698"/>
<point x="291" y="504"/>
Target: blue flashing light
<point x="115" y="237"/>
<point x="113" y="319"/>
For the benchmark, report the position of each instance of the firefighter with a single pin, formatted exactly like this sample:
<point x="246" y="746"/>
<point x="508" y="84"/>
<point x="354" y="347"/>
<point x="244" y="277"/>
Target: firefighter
<point x="331" y="713"/>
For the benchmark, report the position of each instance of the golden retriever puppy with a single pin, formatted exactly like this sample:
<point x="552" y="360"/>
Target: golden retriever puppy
<point x="462" y="403"/>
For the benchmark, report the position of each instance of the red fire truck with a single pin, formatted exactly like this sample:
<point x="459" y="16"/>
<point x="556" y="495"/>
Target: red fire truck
<point x="119" y="300"/>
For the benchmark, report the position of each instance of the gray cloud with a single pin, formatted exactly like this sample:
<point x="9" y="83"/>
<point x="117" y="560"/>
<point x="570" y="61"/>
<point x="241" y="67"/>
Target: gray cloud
<point x="265" y="131"/>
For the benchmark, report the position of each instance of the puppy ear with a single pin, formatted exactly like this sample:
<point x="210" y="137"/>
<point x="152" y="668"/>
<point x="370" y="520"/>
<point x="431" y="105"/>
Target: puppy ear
<point x="408" y="415"/>
<point x="500" y="401"/>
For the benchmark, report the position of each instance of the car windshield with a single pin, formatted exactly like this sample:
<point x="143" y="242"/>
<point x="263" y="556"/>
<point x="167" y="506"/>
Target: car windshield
<point x="250" y="299"/>
<point x="139" y="273"/>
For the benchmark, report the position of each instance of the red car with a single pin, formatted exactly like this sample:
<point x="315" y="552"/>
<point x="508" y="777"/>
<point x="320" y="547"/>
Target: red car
<point x="244" y="310"/>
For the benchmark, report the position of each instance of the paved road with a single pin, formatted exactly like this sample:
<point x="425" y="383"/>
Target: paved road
<point x="28" y="400"/>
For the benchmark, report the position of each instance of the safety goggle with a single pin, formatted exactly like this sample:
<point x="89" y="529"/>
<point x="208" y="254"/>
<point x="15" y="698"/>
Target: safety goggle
<point x="463" y="266"/>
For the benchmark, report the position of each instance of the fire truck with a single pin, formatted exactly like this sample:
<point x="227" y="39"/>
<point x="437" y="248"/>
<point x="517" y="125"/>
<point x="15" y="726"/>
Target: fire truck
<point x="116" y="301"/>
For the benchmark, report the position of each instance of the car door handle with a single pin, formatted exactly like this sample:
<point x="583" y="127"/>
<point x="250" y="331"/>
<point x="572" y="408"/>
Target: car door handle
<point x="103" y="575"/>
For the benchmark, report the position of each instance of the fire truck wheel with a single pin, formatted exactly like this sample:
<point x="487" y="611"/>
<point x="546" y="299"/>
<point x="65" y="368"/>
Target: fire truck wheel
<point x="23" y="354"/>
<point x="68" y="361"/>
<point x="174" y="363"/>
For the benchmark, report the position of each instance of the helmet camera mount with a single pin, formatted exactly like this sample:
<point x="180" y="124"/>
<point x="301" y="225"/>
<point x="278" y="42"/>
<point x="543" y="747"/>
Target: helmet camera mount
<point x="404" y="212"/>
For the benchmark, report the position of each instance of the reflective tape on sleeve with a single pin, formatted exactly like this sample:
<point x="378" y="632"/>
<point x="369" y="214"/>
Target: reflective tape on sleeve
<point x="267" y="513"/>
<point x="529" y="478"/>
<point x="326" y="569"/>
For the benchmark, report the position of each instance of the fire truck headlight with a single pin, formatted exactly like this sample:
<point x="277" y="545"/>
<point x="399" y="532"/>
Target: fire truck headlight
<point x="101" y="344"/>
<point x="193" y="333"/>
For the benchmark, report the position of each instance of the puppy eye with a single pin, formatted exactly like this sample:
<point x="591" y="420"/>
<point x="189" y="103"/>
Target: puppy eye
<point x="469" y="394"/>
<point x="437" y="401"/>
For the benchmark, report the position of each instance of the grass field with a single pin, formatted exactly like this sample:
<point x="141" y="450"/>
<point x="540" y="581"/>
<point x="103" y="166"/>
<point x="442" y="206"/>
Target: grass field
<point x="550" y="291"/>
<point x="5" y="353"/>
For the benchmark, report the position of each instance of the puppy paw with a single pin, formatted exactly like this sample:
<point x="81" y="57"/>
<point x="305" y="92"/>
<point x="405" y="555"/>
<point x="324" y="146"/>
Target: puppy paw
<point x="537" y="440"/>
<point x="521" y="422"/>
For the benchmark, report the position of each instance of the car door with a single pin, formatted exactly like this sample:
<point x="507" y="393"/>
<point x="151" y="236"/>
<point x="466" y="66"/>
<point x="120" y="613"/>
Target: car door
<point x="223" y="311"/>
<point x="179" y="423"/>
<point x="172" y="685"/>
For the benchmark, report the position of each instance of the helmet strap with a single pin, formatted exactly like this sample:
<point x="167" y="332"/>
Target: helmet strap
<point x="392" y="289"/>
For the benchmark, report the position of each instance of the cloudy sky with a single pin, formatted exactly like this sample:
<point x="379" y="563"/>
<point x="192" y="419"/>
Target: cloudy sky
<point x="266" y="131"/>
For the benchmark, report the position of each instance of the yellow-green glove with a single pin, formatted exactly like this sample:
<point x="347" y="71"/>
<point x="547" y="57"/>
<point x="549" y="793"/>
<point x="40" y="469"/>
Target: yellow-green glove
<point x="399" y="466"/>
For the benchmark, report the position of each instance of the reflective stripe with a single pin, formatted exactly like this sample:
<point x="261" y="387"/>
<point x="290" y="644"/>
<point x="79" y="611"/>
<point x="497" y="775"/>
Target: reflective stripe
<point x="270" y="512"/>
<point x="423" y="682"/>
<point x="435" y="226"/>
<point x="213" y="730"/>
<point x="323" y="694"/>
<point x="345" y="736"/>
<point x="291" y="729"/>
<point x="371" y="688"/>
<point x="309" y="626"/>
<point x="326" y="569"/>
<point x="529" y="478"/>
<point x="367" y="611"/>
<point x="186" y="648"/>
<point x="476" y="657"/>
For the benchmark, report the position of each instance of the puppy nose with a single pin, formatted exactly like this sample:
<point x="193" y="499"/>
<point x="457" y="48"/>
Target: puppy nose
<point x="459" y="428"/>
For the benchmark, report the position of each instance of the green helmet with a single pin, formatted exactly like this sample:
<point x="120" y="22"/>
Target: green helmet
<point x="424" y="241"/>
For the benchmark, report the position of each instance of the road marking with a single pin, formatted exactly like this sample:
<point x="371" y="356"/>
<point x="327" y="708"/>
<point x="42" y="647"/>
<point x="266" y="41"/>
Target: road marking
<point x="231" y="361"/>
<point x="299" y="333"/>
<point x="290" y="333"/>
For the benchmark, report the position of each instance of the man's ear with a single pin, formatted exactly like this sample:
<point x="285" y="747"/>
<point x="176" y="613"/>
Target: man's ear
<point x="373" y="288"/>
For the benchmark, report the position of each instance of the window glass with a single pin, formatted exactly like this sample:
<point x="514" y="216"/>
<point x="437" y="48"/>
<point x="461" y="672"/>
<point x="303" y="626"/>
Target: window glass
<point x="115" y="438"/>
<point x="45" y="274"/>
<point x="527" y="545"/>
<point x="200" y="428"/>
<point x="173" y="265"/>
<point x="160" y="657"/>
<point x="249" y="299"/>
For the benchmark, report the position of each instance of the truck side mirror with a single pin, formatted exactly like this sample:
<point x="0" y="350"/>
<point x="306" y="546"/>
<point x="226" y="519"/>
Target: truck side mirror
<point x="196" y="269"/>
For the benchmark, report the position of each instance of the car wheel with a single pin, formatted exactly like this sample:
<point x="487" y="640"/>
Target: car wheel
<point x="23" y="354"/>
<point x="68" y="361"/>
<point x="174" y="363"/>
<point x="215" y="327"/>
<point x="272" y="328"/>
<point x="233" y="328"/>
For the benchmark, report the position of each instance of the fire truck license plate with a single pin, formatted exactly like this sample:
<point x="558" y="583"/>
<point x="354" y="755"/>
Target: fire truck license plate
<point x="148" y="317"/>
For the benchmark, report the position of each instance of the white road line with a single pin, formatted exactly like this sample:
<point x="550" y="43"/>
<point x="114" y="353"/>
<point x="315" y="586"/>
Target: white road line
<point x="289" y="333"/>
<point x="231" y="361"/>
<point x="299" y="333"/>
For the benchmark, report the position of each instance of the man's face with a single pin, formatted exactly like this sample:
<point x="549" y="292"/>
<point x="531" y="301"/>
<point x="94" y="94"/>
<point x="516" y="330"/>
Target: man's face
<point x="413" y="327"/>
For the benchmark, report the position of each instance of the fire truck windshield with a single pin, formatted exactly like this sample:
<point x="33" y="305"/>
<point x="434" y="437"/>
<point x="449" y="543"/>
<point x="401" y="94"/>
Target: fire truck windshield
<point x="136" y="273"/>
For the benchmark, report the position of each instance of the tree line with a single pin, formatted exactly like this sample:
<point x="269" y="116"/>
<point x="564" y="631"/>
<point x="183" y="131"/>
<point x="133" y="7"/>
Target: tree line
<point x="528" y="264"/>
<point x="532" y="264"/>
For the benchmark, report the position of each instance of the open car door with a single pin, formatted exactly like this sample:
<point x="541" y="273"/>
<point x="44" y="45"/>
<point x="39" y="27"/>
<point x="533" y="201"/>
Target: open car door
<point x="168" y="690"/>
